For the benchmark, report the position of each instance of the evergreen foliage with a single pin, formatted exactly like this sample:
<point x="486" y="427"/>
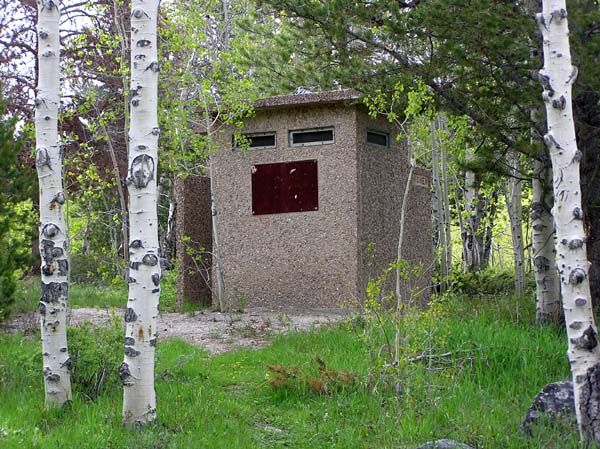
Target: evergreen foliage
<point x="16" y="224"/>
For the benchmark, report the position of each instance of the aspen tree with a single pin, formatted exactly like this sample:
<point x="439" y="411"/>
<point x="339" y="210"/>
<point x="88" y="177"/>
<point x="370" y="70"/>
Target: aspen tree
<point x="137" y="370"/>
<point x="547" y="290"/>
<point x="53" y="228"/>
<point x="557" y="77"/>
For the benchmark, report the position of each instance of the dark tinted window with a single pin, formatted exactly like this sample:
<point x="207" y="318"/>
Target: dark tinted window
<point x="265" y="140"/>
<point x="311" y="137"/>
<point x="378" y="138"/>
<point x="262" y="140"/>
<point x="285" y="187"/>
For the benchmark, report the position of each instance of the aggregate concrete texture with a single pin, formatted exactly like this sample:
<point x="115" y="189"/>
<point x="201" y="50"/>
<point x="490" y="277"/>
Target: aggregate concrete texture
<point x="322" y="258"/>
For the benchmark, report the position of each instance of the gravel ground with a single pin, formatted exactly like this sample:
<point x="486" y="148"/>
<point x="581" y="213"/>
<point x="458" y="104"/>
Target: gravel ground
<point x="213" y="331"/>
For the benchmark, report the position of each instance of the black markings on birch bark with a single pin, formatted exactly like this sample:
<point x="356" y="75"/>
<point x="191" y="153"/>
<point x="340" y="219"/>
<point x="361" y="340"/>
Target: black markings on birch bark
<point x="42" y="309"/>
<point x="42" y="159"/>
<point x="63" y="349"/>
<point x="141" y="171"/>
<point x="551" y="141"/>
<point x="542" y="264"/>
<point x="138" y="13"/>
<point x="580" y="302"/>
<point x="575" y="244"/>
<point x="125" y="375"/>
<point x="57" y="252"/>
<point x="153" y="342"/>
<point x="143" y="43"/>
<point x="156" y="279"/>
<point x="136" y="244"/>
<point x="588" y="340"/>
<point x="130" y="315"/>
<point x="52" y="292"/>
<point x="131" y="280"/>
<point x="131" y="352"/>
<point x="134" y="265"/>
<point x="67" y="364"/>
<point x="559" y="103"/>
<point x="558" y="15"/>
<point x="53" y="377"/>
<point x="150" y="260"/>
<point x="59" y="198"/>
<point x="154" y="67"/>
<point x="576" y="325"/>
<point x="63" y="267"/>
<point x="155" y="290"/>
<point x="577" y="276"/>
<point x="129" y="341"/>
<point x="50" y="230"/>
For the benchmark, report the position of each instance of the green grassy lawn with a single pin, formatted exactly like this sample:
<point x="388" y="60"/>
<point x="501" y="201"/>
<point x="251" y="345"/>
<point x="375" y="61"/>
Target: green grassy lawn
<point x="479" y="394"/>
<point x="92" y="295"/>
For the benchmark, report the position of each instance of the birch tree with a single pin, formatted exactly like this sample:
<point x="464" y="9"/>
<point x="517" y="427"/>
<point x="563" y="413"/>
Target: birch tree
<point x="515" y="214"/>
<point x="137" y="370"/>
<point x="547" y="290"/>
<point x="53" y="228"/>
<point x="470" y="244"/>
<point x="557" y="77"/>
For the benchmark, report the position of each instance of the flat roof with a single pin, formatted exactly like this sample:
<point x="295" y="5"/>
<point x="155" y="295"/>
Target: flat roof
<point x="313" y="98"/>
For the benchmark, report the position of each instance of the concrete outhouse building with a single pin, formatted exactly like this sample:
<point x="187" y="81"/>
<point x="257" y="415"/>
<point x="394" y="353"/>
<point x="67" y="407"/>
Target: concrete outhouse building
<point x="308" y="208"/>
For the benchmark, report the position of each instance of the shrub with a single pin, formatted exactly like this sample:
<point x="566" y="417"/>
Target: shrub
<point x="317" y="379"/>
<point x="485" y="282"/>
<point x="96" y="352"/>
<point x="16" y="220"/>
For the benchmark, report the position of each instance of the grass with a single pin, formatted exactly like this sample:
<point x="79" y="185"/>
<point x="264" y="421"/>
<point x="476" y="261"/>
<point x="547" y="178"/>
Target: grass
<point x="499" y="362"/>
<point x="98" y="296"/>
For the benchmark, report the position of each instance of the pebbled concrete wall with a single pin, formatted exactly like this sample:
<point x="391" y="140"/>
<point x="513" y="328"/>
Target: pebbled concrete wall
<point x="293" y="260"/>
<point x="193" y="221"/>
<point x="383" y="174"/>
<point x="317" y="259"/>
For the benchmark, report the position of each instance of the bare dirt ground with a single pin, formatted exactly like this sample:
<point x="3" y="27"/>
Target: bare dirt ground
<point x="213" y="331"/>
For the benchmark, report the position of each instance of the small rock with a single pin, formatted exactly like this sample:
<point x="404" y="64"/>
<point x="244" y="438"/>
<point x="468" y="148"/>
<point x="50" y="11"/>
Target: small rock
<point x="445" y="444"/>
<point x="554" y="401"/>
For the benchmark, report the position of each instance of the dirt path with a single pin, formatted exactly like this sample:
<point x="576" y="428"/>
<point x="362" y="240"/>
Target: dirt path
<point x="213" y="331"/>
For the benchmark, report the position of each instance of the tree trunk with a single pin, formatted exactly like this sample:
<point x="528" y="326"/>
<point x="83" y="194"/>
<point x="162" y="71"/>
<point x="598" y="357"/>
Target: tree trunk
<point x="557" y="77"/>
<point x="446" y="198"/>
<point x="441" y="206"/>
<point x="547" y="290"/>
<point x="470" y="243"/>
<point x="53" y="228"/>
<point x="137" y="370"/>
<point x="220" y="287"/>
<point x="170" y="239"/>
<point x="121" y="192"/>
<point x="515" y="213"/>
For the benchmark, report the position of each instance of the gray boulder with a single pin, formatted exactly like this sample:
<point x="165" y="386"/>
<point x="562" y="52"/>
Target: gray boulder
<point x="555" y="401"/>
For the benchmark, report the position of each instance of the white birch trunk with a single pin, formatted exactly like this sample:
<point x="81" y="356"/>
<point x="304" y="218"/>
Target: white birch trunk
<point x="515" y="213"/>
<point x="547" y="292"/>
<point x="137" y="370"/>
<point x="220" y="287"/>
<point x="557" y="77"/>
<point x="446" y="203"/>
<point x="470" y="244"/>
<point x="53" y="228"/>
